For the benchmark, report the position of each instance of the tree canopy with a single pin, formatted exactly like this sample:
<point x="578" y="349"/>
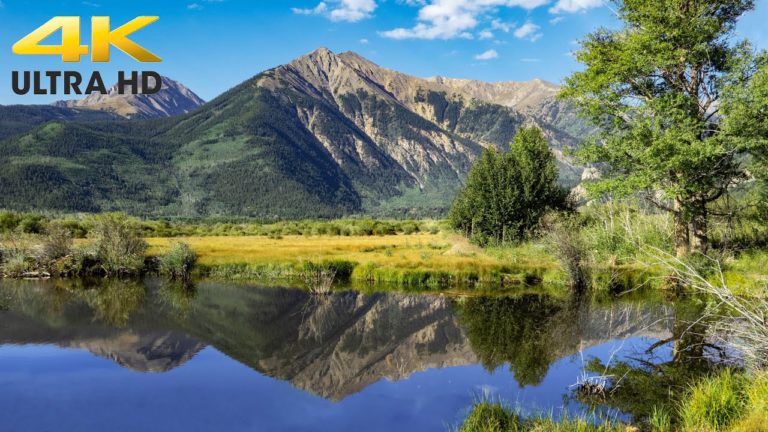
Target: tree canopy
<point x="507" y="194"/>
<point x="656" y="90"/>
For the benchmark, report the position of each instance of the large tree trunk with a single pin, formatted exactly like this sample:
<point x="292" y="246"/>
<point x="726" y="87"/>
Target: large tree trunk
<point x="700" y="224"/>
<point x="682" y="237"/>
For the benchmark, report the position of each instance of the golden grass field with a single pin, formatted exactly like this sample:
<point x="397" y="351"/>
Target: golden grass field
<point x="440" y="252"/>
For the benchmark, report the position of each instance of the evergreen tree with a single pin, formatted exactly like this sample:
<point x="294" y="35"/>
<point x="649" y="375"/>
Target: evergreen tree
<point x="507" y="194"/>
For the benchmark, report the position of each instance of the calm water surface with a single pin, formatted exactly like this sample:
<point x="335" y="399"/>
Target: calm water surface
<point x="133" y="356"/>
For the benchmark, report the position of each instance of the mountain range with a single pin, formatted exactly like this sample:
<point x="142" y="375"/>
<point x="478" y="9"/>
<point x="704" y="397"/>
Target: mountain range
<point x="172" y="99"/>
<point x="325" y="135"/>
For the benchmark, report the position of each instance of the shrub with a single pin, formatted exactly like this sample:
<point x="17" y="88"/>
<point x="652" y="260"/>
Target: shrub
<point x="564" y="239"/>
<point x="15" y="264"/>
<point x="117" y="245"/>
<point x="342" y="268"/>
<point x="76" y="229"/>
<point x="410" y="228"/>
<point x="56" y="244"/>
<point x="32" y="224"/>
<point x="179" y="262"/>
<point x="9" y="221"/>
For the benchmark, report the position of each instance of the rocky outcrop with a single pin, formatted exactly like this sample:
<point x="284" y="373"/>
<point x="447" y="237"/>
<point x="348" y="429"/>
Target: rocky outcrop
<point x="172" y="99"/>
<point x="428" y="127"/>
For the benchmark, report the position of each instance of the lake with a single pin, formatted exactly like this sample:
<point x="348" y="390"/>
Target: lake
<point x="147" y="355"/>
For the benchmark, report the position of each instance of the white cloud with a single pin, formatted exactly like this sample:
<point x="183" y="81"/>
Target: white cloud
<point x="364" y="41"/>
<point x="528" y="31"/>
<point x="485" y="34"/>
<point x="488" y="55"/>
<point x="194" y="6"/>
<point x="342" y="10"/>
<point x="556" y="20"/>
<point x="451" y="19"/>
<point x="530" y="60"/>
<point x="499" y="25"/>
<point x="317" y="10"/>
<point x="353" y="10"/>
<point x="571" y="6"/>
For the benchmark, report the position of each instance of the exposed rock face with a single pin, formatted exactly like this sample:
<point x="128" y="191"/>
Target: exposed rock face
<point x="173" y="99"/>
<point x="431" y="128"/>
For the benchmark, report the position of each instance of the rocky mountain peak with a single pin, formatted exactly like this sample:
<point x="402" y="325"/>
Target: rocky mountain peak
<point x="173" y="99"/>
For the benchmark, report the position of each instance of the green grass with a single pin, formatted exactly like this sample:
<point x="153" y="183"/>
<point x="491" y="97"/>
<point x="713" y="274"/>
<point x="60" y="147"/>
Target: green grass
<point x="490" y="417"/>
<point x="418" y="260"/>
<point x="714" y="403"/>
<point x="493" y="417"/>
<point x="729" y="401"/>
<point x="426" y="253"/>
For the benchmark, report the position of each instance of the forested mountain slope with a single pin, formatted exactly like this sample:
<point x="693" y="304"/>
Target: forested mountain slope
<point x="323" y="136"/>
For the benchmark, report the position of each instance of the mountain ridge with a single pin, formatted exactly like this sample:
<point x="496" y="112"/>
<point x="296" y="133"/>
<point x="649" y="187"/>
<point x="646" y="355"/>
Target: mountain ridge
<point x="173" y="99"/>
<point x="325" y="135"/>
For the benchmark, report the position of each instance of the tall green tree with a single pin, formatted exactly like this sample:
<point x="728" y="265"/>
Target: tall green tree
<point x="507" y="194"/>
<point x="655" y="89"/>
<point x="745" y="111"/>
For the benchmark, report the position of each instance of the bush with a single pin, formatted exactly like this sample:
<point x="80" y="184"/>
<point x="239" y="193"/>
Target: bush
<point x="117" y="246"/>
<point x="15" y="264"/>
<point x="565" y="242"/>
<point x="56" y="244"/>
<point x="32" y="224"/>
<point x="9" y="221"/>
<point x="178" y="262"/>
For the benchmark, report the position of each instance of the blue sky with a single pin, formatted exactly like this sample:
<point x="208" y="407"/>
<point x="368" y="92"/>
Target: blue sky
<point x="212" y="45"/>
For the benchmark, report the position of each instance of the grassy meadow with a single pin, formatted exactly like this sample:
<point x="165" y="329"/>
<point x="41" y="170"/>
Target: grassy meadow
<point x="611" y="241"/>
<point x="422" y="259"/>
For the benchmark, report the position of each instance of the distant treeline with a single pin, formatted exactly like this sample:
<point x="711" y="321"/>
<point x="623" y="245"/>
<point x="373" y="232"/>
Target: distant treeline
<point x="81" y="226"/>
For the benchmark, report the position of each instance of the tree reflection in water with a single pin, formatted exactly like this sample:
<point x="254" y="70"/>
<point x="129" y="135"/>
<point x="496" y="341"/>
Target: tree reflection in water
<point x="654" y="380"/>
<point x="338" y="345"/>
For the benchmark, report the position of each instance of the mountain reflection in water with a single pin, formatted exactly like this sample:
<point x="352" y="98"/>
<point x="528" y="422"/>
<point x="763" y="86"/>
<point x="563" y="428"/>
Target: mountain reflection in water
<point x="336" y="347"/>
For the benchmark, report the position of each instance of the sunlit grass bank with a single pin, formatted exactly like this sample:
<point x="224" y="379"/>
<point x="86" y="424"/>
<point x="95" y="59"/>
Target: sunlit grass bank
<point x="422" y="259"/>
<point x="437" y="260"/>
<point x="603" y="246"/>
